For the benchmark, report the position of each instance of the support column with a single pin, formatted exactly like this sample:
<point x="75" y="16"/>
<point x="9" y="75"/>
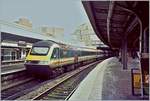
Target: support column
<point x="121" y="52"/>
<point x="124" y="53"/>
<point x="22" y="55"/>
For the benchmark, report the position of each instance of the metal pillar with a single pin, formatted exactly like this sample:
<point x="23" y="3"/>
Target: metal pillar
<point x="121" y="53"/>
<point x="124" y="53"/>
<point x="22" y="55"/>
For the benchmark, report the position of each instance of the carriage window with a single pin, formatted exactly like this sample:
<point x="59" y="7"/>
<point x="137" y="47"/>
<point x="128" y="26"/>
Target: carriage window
<point x="64" y="53"/>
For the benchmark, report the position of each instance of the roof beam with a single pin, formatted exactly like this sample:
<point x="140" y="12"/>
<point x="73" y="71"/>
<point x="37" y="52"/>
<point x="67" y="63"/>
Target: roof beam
<point x="104" y="26"/>
<point x="111" y="20"/>
<point x="118" y="12"/>
<point x="116" y="21"/>
<point x="110" y="10"/>
<point x="132" y="25"/>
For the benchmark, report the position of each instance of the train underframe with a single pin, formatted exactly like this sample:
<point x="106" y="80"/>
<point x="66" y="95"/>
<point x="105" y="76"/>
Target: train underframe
<point x="45" y="72"/>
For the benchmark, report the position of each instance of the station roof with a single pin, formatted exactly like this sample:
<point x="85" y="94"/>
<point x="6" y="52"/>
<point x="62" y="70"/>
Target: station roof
<point x="113" y="20"/>
<point x="14" y="32"/>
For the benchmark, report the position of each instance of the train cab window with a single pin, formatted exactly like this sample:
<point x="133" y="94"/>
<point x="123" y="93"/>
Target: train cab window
<point x="55" y="54"/>
<point x="39" y="51"/>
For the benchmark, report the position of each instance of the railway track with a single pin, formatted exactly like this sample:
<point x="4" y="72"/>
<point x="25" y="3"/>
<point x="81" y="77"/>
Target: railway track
<point x="65" y="88"/>
<point x="10" y="79"/>
<point x="13" y="82"/>
<point x="31" y="88"/>
<point x="18" y="90"/>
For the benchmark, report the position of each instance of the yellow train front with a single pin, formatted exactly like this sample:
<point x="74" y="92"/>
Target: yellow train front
<point x="48" y="59"/>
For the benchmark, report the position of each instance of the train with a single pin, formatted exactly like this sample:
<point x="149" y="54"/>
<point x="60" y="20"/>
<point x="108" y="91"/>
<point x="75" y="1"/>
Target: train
<point x="49" y="59"/>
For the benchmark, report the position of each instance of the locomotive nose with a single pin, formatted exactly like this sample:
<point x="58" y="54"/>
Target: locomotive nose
<point x="37" y="62"/>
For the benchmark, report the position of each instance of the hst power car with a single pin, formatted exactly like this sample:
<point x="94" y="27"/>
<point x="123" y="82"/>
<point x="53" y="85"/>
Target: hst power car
<point x="49" y="58"/>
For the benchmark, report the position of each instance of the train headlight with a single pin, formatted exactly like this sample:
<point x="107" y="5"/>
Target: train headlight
<point x="43" y="62"/>
<point x="27" y="61"/>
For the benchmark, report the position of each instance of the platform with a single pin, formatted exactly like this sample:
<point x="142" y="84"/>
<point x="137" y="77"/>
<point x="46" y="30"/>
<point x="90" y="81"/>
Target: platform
<point x="108" y="81"/>
<point x="12" y="68"/>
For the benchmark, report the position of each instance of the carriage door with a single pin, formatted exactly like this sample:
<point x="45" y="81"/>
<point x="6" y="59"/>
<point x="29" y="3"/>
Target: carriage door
<point x="56" y="56"/>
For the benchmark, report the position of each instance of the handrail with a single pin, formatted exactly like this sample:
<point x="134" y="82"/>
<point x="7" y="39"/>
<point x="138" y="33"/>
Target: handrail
<point x="110" y="11"/>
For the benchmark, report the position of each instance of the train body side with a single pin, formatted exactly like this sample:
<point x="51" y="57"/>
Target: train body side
<point x="55" y="57"/>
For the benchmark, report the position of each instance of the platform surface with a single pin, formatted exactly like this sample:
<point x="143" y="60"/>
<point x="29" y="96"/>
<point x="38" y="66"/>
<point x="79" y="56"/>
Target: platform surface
<point x="12" y="68"/>
<point x="107" y="81"/>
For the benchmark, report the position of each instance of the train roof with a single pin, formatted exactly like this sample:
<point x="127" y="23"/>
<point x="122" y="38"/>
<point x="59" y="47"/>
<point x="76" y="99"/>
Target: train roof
<point x="48" y="43"/>
<point x="45" y="43"/>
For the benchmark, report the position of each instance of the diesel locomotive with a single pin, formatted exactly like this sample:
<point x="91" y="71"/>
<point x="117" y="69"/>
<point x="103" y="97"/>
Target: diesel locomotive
<point x="49" y="59"/>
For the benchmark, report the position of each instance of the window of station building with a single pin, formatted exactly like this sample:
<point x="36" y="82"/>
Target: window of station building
<point x="27" y="51"/>
<point x="18" y="54"/>
<point x="5" y="54"/>
<point x="13" y="55"/>
<point x="24" y="52"/>
<point x="8" y="54"/>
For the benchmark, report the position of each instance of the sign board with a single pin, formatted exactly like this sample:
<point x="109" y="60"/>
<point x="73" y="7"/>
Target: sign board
<point x="136" y="81"/>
